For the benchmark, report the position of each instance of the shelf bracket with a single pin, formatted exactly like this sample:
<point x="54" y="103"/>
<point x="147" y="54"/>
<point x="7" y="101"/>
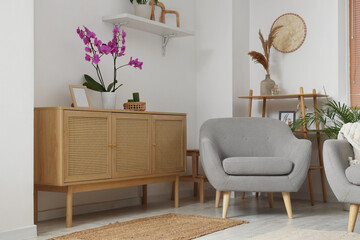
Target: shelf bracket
<point x="120" y="24"/>
<point x="165" y="41"/>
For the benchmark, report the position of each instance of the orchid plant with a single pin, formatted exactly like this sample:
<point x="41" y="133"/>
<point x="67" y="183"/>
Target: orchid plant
<point x="95" y="49"/>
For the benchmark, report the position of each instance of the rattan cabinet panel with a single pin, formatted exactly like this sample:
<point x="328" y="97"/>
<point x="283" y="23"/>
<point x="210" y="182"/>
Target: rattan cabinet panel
<point x="131" y="153"/>
<point x="86" y="151"/>
<point x="168" y="144"/>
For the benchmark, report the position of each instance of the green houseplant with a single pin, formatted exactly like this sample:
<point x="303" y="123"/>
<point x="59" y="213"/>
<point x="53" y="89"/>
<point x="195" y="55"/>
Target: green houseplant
<point x="332" y="116"/>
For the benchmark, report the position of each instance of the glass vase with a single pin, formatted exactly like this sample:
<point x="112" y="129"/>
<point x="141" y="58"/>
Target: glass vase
<point x="266" y="85"/>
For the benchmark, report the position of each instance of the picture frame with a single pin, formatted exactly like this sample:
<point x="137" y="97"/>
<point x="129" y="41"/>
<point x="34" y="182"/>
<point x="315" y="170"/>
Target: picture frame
<point x="287" y="117"/>
<point x="80" y="96"/>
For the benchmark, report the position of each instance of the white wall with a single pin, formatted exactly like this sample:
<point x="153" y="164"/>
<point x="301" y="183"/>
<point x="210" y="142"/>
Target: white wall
<point x="16" y="124"/>
<point x="241" y="67"/>
<point x="165" y="83"/>
<point x="214" y="59"/>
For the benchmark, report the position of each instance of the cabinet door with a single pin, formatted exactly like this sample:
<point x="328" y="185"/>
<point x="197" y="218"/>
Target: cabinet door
<point x="86" y="145"/>
<point x="131" y="152"/>
<point x="169" y="144"/>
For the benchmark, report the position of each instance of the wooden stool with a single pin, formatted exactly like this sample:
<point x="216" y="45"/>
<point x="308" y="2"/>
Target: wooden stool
<point x="194" y="177"/>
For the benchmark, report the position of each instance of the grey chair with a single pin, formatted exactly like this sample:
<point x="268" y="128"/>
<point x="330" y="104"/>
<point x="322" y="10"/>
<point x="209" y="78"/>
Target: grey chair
<point x="344" y="180"/>
<point x="253" y="155"/>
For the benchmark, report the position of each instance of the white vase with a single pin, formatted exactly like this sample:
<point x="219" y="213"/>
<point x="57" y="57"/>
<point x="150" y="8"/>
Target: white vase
<point x="143" y="10"/>
<point x="108" y="100"/>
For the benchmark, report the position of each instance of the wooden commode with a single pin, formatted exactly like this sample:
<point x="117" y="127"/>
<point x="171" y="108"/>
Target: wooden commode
<point x="82" y="149"/>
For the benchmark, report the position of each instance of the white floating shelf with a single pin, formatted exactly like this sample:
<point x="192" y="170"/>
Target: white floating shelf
<point x="147" y="25"/>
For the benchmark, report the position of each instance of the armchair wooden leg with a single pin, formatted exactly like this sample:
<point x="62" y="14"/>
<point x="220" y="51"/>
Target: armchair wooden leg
<point x="354" y="209"/>
<point x="226" y="200"/>
<point x="287" y="201"/>
<point x="271" y="199"/>
<point x="217" y="198"/>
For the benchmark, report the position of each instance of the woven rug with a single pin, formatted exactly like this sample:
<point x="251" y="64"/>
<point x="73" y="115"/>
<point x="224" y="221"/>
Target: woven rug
<point x="290" y="233"/>
<point x="168" y="226"/>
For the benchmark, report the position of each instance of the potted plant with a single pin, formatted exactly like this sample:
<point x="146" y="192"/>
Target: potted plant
<point x="142" y="9"/>
<point x="264" y="59"/>
<point x="332" y="117"/>
<point x="95" y="49"/>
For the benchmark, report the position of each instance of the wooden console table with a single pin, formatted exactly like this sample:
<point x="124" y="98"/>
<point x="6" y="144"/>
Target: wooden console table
<point x="82" y="150"/>
<point x="301" y="98"/>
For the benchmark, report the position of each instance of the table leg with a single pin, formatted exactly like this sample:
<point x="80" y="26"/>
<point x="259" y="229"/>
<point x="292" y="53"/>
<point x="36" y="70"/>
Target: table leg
<point x="250" y="103"/>
<point x="318" y="140"/>
<point x="242" y="195"/>
<point x="202" y="191"/>
<point x="264" y="108"/>
<point x="144" y="194"/>
<point x="173" y="191"/>
<point x="176" y="192"/>
<point x="195" y="189"/>
<point x="311" y="190"/>
<point x="69" y="203"/>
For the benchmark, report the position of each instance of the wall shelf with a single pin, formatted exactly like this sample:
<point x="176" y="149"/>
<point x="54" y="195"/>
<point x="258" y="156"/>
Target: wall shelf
<point x="147" y="25"/>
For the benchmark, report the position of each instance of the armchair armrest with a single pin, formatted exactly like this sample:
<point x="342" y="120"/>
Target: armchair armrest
<point x="300" y="155"/>
<point x="336" y="154"/>
<point x="211" y="163"/>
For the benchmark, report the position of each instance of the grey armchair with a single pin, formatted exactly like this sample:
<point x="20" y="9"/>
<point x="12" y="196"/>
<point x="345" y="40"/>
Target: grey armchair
<point x="344" y="180"/>
<point x="253" y="154"/>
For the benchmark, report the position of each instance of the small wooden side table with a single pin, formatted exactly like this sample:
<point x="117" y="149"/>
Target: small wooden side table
<point x="197" y="179"/>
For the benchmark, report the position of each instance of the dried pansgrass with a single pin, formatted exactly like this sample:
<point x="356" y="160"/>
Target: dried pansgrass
<point x="264" y="59"/>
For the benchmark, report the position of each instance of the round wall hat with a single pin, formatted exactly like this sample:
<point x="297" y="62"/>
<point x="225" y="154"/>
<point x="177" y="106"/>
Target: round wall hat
<point x="292" y="35"/>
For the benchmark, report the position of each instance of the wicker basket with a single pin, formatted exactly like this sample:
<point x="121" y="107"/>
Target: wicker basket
<point x="135" y="106"/>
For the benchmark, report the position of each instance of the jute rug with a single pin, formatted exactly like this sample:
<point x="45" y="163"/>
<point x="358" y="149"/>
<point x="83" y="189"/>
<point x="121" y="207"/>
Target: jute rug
<point x="290" y="233"/>
<point x="168" y="226"/>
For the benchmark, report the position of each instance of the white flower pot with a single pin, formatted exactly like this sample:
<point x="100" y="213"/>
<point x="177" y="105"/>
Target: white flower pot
<point x="108" y="100"/>
<point x="143" y="10"/>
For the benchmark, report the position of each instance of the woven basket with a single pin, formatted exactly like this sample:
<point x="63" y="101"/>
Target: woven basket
<point x="135" y="106"/>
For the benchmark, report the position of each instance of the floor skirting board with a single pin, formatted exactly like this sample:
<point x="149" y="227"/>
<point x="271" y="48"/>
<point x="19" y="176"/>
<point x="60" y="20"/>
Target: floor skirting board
<point x="19" y="233"/>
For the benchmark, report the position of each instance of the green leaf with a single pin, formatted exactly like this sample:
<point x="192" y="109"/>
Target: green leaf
<point x="111" y="85"/>
<point x="118" y="87"/>
<point x="94" y="85"/>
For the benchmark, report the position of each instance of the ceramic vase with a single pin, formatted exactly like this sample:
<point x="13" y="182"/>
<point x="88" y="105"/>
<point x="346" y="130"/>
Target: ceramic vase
<point x="143" y="10"/>
<point x="266" y="85"/>
<point x="108" y="100"/>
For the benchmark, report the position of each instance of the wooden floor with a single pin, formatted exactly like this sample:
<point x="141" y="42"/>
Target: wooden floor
<point x="326" y="217"/>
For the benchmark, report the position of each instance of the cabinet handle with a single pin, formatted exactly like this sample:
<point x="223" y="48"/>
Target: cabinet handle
<point x="154" y="145"/>
<point x="112" y="145"/>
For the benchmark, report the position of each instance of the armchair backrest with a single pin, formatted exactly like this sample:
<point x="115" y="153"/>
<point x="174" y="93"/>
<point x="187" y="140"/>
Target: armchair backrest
<point x="248" y="137"/>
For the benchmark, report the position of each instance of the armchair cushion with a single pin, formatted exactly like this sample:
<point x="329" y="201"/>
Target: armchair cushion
<point x="353" y="174"/>
<point x="257" y="166"/>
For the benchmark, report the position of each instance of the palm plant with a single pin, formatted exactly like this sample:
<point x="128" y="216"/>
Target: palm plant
<point x="332" y="117"/>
